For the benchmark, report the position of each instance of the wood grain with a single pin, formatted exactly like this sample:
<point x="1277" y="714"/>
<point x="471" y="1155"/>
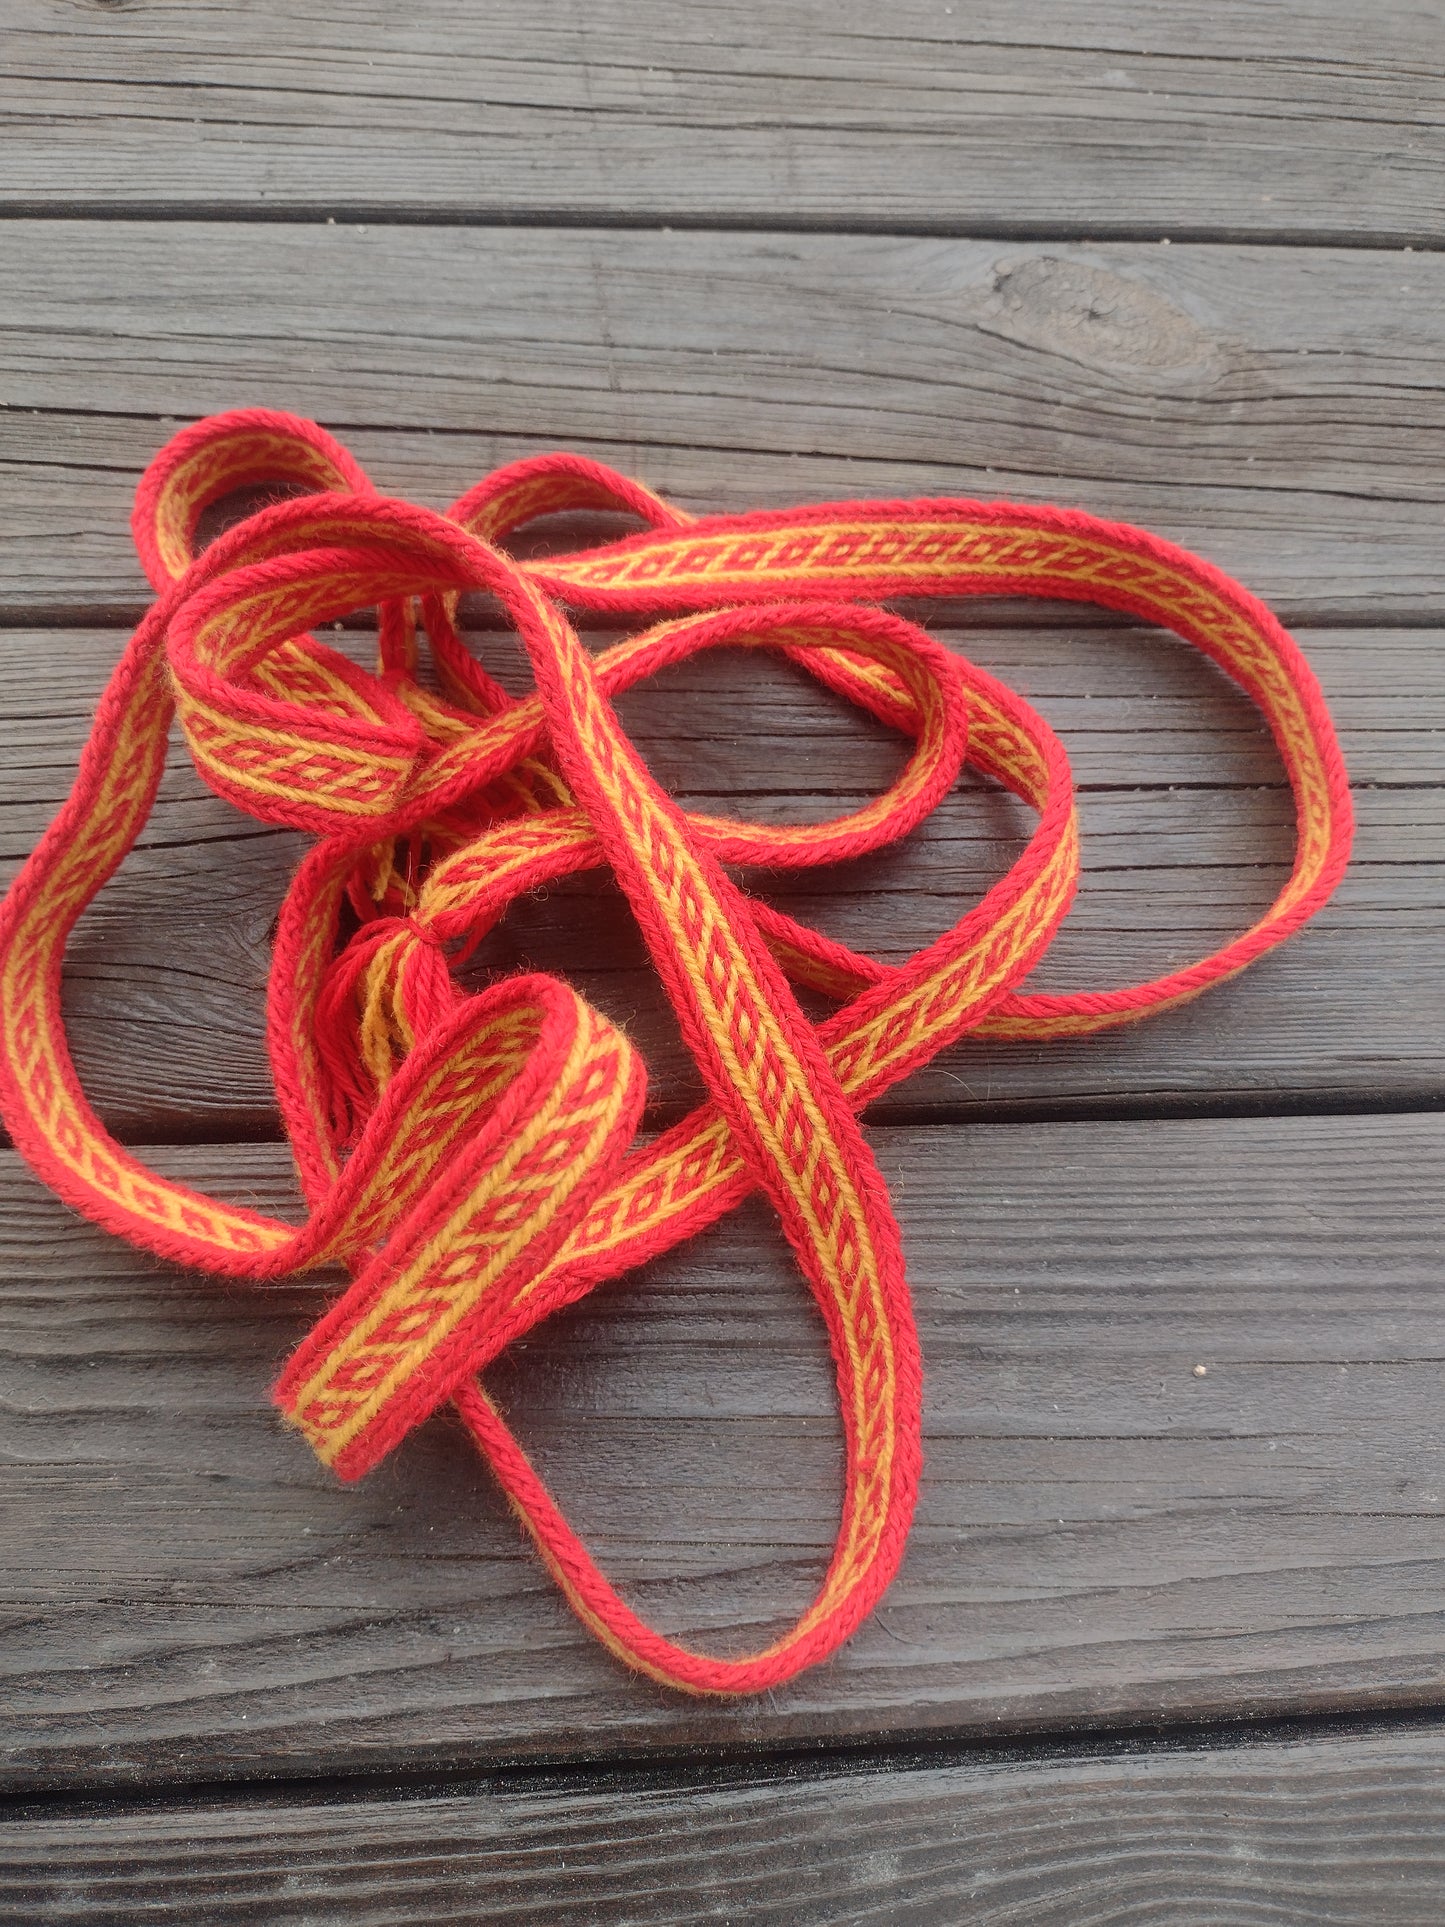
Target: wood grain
<point x="1333" y="1831"/>
<point x="1276" y="408"/>
<point x="1187" y="837"/>
<point x="761" y="256"/>
<point x="1082" y="116"/>
<point x="1102" y="1536"/>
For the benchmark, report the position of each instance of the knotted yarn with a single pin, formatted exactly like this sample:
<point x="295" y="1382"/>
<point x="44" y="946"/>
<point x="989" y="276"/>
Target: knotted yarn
<point x="472" y="1159"/>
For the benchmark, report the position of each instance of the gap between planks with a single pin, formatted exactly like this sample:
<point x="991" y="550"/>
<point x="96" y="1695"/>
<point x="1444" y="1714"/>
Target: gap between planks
<point x="827" y="1758"/>
<point x="748" y="1766"/>
<point x="1410" y="240"/>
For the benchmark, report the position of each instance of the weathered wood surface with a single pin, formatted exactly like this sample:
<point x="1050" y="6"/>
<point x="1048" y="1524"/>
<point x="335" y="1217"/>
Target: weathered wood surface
<point x="1187" y="837"/>
<point x="1321" y="1832"/>
<point x="1310" y="117"/>
<point x="1279" y="409"/>
<point x="1102" y="1536"/>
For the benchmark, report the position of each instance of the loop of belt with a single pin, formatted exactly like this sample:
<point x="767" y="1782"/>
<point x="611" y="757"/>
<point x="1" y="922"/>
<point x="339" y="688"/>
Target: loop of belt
<point x="472" y="1158"/>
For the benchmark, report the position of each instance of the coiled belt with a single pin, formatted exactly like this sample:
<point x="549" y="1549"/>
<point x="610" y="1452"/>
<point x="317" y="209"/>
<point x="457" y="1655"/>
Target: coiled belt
<point x="472" y="1158"/>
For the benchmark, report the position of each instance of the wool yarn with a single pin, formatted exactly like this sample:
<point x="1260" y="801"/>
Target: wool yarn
<point x="472" y="1159"/>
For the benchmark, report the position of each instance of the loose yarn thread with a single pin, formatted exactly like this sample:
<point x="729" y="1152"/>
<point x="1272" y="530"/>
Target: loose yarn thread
<point x="471" y="1158"/>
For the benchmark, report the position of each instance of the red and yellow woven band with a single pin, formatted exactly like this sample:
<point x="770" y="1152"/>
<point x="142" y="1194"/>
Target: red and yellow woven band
<point x="471" y="1158"/>
<point x="524" y="1104"/>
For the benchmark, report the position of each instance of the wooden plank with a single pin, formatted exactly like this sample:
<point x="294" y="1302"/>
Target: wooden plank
<point x="1276" y="408"/>
<point x="1187" y="836"/>
<point x="1084" y="116"/>
<point x="1102" y="1536"/>
<point x="1340" y="1828"/>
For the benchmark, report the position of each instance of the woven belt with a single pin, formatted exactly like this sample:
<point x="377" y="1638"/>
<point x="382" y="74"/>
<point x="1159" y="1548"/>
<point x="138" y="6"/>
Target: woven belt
<point x="471" y="1158"/>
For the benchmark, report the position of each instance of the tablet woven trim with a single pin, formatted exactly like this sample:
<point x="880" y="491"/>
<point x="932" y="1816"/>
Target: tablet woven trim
<point x="472" y="1159"/>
